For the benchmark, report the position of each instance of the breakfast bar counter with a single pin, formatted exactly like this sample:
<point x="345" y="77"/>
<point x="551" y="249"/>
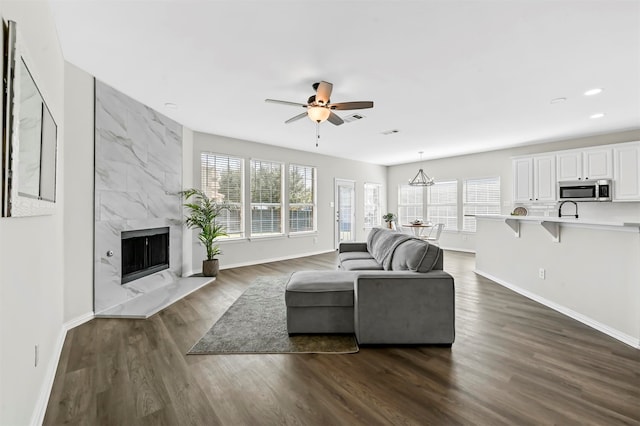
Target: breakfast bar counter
<point x="553" y="224"/>
<point x="586" y="269"/>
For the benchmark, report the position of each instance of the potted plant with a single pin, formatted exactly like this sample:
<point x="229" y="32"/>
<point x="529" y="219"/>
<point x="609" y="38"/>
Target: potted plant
<point x="389" y="218"/>
<point x="203" y="212"/>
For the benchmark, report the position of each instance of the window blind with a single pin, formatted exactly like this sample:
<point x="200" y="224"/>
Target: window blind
<point x="372" y="213"/>
<point x="480" y="196"/>
<point x="221" y="178"/>
<point x="266" y="198"/>
<point x="442" y="204"/>
<point x="302" y="198"/>
<point x="410" y="203"/>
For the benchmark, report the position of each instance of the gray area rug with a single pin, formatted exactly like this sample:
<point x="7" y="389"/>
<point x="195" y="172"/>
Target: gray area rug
<point x="257" y="323"/>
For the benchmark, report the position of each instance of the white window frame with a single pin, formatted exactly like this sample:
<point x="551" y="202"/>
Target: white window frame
<point x="435" y="205"/>
<point x="474" y="204"/>
<point x="267" y="205"/>
<point x="411" y="210"/>
<point x="313" y="204"/>
<point x="372" y="205"/>
<point x="208" y="188"/>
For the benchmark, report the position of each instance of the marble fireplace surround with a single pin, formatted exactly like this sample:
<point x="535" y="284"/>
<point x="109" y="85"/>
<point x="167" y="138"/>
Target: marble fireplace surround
<point x="138" y="177"/>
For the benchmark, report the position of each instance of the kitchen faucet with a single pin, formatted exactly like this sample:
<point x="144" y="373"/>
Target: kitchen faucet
<point x="562" y="204"/>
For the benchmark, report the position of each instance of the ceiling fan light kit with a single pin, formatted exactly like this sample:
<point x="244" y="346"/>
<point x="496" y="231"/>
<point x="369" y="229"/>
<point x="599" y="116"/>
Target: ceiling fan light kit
<point x="319" y="106"/>
<point x="318" y="114"/>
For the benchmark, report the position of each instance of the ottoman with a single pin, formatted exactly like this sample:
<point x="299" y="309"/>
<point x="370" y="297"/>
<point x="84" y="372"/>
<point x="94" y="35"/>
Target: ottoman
<point x="320" y="302"/>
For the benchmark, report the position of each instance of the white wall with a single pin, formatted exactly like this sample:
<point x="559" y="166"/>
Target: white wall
<point x="78" y="184"/>
<point x="257" y="250"/>
<point x="498" y="163"/>
<point x="31" y="248"/>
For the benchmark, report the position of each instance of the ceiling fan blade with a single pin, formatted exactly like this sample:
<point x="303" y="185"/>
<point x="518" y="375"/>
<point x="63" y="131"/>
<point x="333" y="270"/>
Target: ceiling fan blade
<point x="352" y="105"/>
<point x="276" y="101"/>
<point x="334" y="119"/>
<point x="324" y="92"/>
<point x="297" y="117"/>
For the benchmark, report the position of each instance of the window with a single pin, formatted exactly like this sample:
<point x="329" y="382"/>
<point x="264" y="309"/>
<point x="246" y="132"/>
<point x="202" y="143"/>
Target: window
<point x="410" y="203"/>
<point x="302" y="198"/>
<point x="266" y="198"/>
<point x="221" y="178"/>
<point x="480" y="196"/>
<point x="372" y="213"/>
<point x="442" y="204"/>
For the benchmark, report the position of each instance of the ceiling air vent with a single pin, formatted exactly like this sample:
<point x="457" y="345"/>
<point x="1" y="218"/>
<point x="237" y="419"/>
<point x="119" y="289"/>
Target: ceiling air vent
<point x="353" y="117"/>
<point x="390" y="132"/>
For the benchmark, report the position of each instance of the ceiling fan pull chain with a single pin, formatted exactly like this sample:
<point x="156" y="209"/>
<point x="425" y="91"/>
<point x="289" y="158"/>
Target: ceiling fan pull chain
<point x="317" y="133"/>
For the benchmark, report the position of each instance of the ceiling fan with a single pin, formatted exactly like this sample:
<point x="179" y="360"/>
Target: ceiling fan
<point x="319" y="107"/>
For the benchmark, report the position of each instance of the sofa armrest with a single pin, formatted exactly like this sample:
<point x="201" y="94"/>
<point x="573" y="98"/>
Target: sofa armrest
<point x="403" y="307"/>
<point x="345" y="247"/>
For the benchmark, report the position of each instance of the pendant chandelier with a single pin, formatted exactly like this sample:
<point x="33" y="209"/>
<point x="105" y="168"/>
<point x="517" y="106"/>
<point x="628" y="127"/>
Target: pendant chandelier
<point x="421" y="178"/>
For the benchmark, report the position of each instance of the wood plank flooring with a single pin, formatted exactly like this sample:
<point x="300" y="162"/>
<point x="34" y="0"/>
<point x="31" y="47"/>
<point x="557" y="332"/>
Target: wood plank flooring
<point x="514" y="362"/>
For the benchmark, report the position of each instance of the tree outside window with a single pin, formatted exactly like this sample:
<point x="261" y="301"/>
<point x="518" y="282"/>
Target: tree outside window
<point x="221" y="178"/>
<point x="302" y="198"/>
<point x="266" y="198"/>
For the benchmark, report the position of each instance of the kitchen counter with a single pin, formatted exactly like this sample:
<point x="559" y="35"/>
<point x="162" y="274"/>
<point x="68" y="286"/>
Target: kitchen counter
<point x="566" y="220"/>
<point x="587" y="269"/>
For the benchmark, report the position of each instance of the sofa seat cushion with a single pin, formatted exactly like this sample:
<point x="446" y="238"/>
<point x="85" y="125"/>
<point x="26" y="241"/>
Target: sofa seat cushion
<point x="361" y="265"/>
<point x="351" y="255"/>
<point x="320" y="288"/>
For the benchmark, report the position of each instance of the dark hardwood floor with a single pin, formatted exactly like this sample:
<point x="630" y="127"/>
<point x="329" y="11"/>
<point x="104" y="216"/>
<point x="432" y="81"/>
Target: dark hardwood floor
<point x="514" y="362"/>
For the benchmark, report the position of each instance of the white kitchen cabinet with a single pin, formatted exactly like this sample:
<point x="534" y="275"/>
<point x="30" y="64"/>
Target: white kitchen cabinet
<point x="626" y="166"/>
<point x="534" y="179"/>
<point x="596" y="164"/>
<point x="523" y="180"/>
<point x="544" y="178"/>
<point x="584" y="164"/>
<point x="569" y="165"/>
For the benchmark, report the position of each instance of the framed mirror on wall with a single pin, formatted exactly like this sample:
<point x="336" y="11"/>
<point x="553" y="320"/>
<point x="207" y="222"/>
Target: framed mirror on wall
<point x="30" y="133"/>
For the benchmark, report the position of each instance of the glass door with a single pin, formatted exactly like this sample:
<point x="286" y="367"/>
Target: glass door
<point x="345" y="210"/>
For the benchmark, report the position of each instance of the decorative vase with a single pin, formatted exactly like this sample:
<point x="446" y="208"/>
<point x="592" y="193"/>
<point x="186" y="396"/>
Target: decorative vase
<point x="210" y="267"/>
<point x="389" y="225"/>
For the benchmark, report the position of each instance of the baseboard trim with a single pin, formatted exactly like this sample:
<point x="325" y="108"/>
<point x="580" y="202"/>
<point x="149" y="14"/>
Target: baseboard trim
<point x="609" y="331"/>
<point x="45" y="391"/>
<point x="273" y="259"/>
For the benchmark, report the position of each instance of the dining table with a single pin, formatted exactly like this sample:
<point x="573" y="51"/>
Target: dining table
<point x="418" y="228"/>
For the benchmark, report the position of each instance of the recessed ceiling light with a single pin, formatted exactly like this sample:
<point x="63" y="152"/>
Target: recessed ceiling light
<point x="598" y="115"/>
<point x="593" y="92"/>
<point x="558" y="100"/>
<point x="170" y="105"/>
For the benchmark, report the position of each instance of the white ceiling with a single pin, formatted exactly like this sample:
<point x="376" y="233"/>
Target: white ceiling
<point x="452" y="76"/>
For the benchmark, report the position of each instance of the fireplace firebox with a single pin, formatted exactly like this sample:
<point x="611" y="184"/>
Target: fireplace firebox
<point x="144" y="252"/>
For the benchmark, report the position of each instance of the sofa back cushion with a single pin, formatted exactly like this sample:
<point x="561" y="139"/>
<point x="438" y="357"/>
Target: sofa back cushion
<point x="415" y="255"/>
<point x="381" y="244"/>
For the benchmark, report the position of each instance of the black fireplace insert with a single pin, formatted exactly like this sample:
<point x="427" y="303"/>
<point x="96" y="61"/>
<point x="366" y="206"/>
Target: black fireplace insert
<point x="144" y="252"/>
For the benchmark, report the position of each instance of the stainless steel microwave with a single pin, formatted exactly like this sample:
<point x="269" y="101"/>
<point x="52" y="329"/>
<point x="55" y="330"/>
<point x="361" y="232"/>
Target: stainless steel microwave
<point x="585" y="190"/>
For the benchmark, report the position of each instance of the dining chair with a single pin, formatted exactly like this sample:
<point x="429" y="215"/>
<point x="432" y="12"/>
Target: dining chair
<point x="434" y="234"/>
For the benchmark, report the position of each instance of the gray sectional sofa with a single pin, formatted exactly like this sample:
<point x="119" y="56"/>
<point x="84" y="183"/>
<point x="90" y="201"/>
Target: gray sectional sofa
<point x="388" y="290"/>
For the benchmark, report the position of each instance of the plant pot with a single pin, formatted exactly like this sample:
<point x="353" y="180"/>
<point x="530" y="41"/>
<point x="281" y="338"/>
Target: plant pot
<point x="210" y="268"/>
<point x="389" y="225"/>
